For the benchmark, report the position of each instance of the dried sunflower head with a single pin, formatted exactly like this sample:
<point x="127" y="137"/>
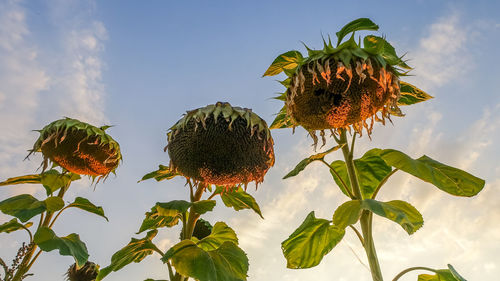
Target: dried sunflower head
<point x="343" y="87"/>
<point x="78" y="147"/>
<point x="87" y="272"/>
<point x="220" y="144"/>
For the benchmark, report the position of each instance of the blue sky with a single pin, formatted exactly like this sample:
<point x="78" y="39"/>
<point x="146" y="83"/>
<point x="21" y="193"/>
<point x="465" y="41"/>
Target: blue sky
<point x="140" y="65"/>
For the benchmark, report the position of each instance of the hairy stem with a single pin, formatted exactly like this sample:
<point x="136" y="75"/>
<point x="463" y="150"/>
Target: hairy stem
<point x="411" y="269"/>
<point x="366" y="216"/>
<point x="27" y="261"/>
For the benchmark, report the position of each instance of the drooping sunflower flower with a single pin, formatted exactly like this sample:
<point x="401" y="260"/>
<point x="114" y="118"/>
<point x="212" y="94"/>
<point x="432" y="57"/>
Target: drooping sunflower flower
<point x="220" y="144"/>
<point x="88" y="272"/>
<point x="343" y="87"/>
<point x="78" y="147"/>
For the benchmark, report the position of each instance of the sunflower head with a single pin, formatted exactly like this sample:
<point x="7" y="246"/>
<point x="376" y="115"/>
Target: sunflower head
<point x="343" y="87"/>
<point x="87" y="272"/>
<point x="220" y="144"/>
<point x="78" y="147"/>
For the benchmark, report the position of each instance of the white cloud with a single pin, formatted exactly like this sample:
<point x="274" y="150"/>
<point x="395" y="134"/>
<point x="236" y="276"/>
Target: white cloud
<point x="21" y="81"/>
<point x="442" y="55"/>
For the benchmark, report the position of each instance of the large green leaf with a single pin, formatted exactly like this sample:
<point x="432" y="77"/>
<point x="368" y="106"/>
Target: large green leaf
<point x="411" y="94"/>
<point x="86" y="205"/>
<point x="398" y="211"/>
<point x="54" y="203"/>
<point x="203" y="206"/>
<point x="23" y="207"/>
<point x="371" y="170"/>
<point x="307" y="245"/>
<point x="70" y="245"/>
<point x="449" y="179"/>
<point x="226" y="263"/>
<point x="282" y="120"/>
<point x="288" y="60"/>
<point x="355" y="25"/>
<point x="135" y="251"/>
<point x="347" y="213"/>
<point x="220" y="234"/>
<point x="13" y="225"/>
<point x="316" y="157"/>
<point x="163" y="173"/>
<point x="164" y="214"/>
<point x="51" y="180"/>
<point x="239" y="199"/>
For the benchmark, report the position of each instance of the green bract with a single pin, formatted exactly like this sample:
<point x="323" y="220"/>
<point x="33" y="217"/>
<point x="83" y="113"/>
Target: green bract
<point x="344" y="86"/>
<point x="220" y="144"/>
<point x="78" y="147"/>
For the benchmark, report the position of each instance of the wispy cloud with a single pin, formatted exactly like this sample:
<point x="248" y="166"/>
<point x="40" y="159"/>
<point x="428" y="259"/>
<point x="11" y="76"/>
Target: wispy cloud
<point x="442" y="55"/>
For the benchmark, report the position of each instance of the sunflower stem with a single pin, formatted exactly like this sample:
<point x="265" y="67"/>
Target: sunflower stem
<point x="28" y="259"/>
<point x="366" y="216"/>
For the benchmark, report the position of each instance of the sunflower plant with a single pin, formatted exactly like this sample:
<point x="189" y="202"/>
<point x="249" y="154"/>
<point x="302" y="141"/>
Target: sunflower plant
<point x="73" y="148"/>
<point x="346" y="88"/>
<point x="218" y="149"/>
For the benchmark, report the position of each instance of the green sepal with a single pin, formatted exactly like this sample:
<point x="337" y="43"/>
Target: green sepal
<point x="411" y="94"/>
<point x="282" y="120"/>
<point x="355" y="25"/>
<point x="288" y="60"/>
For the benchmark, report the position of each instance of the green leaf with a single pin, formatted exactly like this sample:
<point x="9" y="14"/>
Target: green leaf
<point x="282" y="120"/>
<point x="70" y="245"/>
<point x="86" y="205"/>
<point x="316" y="157"/>
<point x="378" y="45"/>
<point x="135" y="251"/>
<point x="226" y="263"/>
<point x="307" y="245"/>
<point x="287" y="61"/>
<point x="220" y="234"/>
<point x="163" y="173"/>
<point x="398" y="211"/>
<point x="231" y="262"/>
<point x="371" y="170"/>
<point x="13" y="225"/>
<point x="52" y="180"/>
<point x="411" y="94"/>
<point x="149" y="279"/>
<point x="347" y="214"/>
<point x="239" y="200"/>
<point x="23" y="207"/>
<point x="449" y="179"/>
<point x="54" y="203"/>
<point x="203" y="206"/>
<point x="340" y="169"/>
<point x="164" y="214"/>
<point x="355" y="25"/>
<point x="33" y="179"/>
<point x="442" y="275"/>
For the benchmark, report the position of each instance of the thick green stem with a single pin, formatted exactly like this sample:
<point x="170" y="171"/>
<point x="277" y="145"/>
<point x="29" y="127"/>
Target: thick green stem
<point x="366" y="217"/>
<point x="187" y="229"/>
<point x="27" y="261"/>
